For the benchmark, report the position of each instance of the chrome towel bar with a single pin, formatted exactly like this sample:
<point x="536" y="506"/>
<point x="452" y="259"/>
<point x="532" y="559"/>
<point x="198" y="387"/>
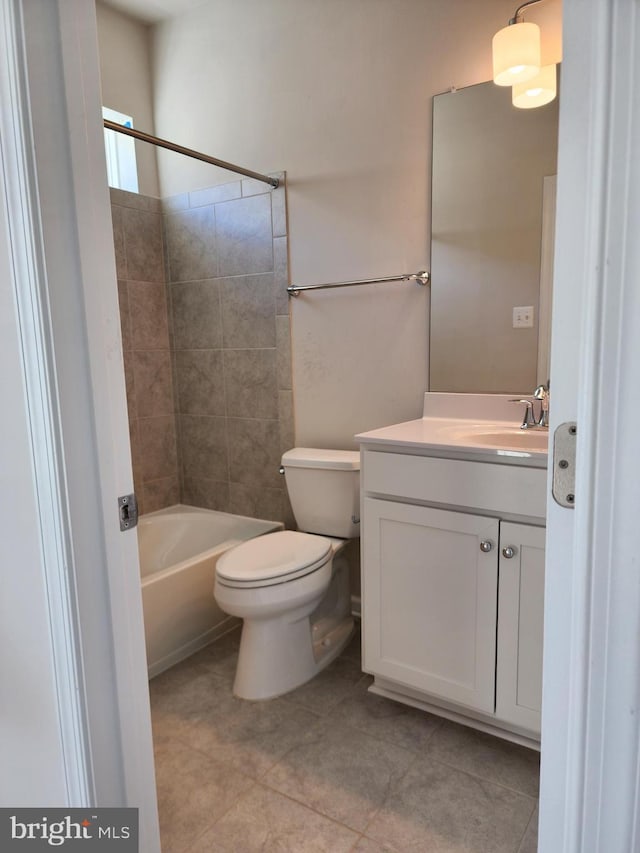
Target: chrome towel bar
<point x="422" y="277"/>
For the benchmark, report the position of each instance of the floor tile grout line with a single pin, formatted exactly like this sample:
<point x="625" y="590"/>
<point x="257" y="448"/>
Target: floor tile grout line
<point x="219" y="818"/>
<point x="526" y="830"/>
<point x="310" y="808"/>
<point x="534" y="799"/>
<point x="377" y="810"/>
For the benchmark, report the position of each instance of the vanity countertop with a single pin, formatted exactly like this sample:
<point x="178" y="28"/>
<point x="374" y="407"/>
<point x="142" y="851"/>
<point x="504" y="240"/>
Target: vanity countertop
<point x="464" y="438"/>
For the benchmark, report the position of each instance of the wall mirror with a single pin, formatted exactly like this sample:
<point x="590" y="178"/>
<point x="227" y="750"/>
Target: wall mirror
<point x="492" y="225"/>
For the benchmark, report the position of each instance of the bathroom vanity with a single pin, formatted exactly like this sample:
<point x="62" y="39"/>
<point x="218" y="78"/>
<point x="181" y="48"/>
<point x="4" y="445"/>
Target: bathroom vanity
<point x="452" y="516"/>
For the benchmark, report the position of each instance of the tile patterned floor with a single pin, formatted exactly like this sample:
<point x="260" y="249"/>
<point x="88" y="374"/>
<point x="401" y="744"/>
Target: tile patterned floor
<point x="328" y="768"/>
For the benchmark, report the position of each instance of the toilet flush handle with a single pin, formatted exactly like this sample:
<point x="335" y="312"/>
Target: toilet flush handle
<point x="281" y="469"/>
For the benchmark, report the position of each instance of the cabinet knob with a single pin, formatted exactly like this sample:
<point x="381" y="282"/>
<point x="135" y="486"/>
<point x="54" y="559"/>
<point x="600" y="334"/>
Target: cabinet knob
<point x="485" y="546"/>
<point x="509" y="552"/>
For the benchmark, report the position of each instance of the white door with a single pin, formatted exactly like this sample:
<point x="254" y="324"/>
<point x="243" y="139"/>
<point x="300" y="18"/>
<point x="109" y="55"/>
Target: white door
<point x="590" y="794"/>
<point x="429" y="607"/>
<point x="520" y="625"/>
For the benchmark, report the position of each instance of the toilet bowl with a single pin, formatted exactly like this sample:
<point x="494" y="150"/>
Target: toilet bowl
<point x="291" y="588"/>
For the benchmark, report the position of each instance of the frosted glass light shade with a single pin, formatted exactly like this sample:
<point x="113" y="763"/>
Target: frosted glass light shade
<point x="536" y="92"/>
<point x="516" y="54"/>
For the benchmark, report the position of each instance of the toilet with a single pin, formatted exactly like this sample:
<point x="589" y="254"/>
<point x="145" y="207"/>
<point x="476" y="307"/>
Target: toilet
<point x="291" y="588"/>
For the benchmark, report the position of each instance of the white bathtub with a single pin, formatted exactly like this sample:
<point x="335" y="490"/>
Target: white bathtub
<point x="179" y="548"/>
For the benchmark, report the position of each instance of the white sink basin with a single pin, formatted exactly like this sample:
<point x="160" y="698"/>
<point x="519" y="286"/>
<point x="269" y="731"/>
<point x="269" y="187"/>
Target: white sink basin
<point x="516" y="439"/>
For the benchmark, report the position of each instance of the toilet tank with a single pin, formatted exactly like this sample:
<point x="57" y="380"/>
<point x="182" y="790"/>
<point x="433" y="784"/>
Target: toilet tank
<point x="324" y="489"/>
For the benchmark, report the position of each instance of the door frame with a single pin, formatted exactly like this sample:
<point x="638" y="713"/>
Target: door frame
<point x="59" y="268"/>
<point x="590" y="740"/>
<point x="590" y="791"/>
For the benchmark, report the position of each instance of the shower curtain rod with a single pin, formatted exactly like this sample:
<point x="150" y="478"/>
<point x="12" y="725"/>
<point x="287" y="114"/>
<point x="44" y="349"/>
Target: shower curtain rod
<point x="189" y="152"/>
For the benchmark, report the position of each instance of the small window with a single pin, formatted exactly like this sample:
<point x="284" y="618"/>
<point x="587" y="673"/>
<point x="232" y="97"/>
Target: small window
<point x="122" y="170"/>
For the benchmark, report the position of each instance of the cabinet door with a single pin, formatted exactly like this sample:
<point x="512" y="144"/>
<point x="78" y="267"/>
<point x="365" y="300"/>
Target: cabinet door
<point x="429" y="600"/>
<point x="520" y="623"/>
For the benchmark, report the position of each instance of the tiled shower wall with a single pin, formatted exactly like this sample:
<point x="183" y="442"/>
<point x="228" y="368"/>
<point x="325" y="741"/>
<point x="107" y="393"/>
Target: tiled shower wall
<point x="227" y="268"/>
<point x="228" y="406"/>
<point x="142" y="293"/>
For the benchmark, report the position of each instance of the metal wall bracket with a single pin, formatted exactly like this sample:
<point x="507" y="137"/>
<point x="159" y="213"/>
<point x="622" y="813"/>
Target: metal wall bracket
<point x="564" y="464"/>
<point x="128" y="511"/>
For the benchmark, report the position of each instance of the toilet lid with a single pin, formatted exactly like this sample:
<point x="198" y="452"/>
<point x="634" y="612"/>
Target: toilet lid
<point x="273" y="558"/>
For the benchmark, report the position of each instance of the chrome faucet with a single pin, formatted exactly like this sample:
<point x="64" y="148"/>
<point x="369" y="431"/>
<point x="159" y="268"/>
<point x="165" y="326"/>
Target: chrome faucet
<point x="542" y="394"/>
<point x="529" y="421"/>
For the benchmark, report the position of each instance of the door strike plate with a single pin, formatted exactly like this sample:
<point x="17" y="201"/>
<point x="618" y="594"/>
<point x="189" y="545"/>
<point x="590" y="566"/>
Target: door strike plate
<point x="128" y="511"/>
<point x="564" y="464"/>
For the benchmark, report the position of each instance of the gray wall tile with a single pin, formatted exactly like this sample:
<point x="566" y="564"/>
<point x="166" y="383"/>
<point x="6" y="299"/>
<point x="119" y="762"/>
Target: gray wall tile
<point x="204" y="447"/>
<point x="158" y="494"/>
<point x="136" y="456"/>
<point x="256" y="501"/>
<point x="209" y="347"/>
<point x="158" y="447"/>
<point x="213" y="195"/>
<point x="118" y="242"/>
<point x="134" y="200"/>
<point x="200" y="382"/>
<point x="248" y="311"/>
<point x="210" y="494"/>
<point x="250" y="383"/>
<point x="283" y="344"/>
<point x="279" y="210"/>
<point x="175" y="202"/>
<point x="254" y="452"/>
<point x="197" y="317"/>
<point x="130" y="386"/>
<point x="125" y="322"/>
<point x="251" y="186"/>
<point x="143" y="245"/>
<point x="285" y="415"/>
<point x="148" y="315"/>
<point x="146" y="355"/>
<point x="191" y="244"/>
<point x="153" y="385"/>
<point x="244" y="236"/>
<point x="281" y="274"/>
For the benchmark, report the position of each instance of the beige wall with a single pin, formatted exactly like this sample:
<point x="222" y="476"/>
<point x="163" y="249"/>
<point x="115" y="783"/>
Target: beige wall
<point x="125" y="68"/>
<point x="339" y="95"/>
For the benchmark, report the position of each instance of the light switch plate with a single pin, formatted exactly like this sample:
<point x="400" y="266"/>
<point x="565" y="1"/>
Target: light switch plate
<point x="523" y="317"/>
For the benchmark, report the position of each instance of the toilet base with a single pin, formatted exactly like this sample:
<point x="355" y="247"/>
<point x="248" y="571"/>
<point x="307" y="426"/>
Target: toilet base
<point x="274" y="660"/>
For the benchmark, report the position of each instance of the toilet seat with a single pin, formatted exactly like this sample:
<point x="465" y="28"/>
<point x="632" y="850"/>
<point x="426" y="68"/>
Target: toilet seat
<point x="275" y="558"/>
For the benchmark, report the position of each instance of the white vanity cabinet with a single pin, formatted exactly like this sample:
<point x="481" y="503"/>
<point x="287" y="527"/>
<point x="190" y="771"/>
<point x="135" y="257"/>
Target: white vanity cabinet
<point x="429" y="597"/>
<point x="520" y="624"/>
<point x="452" y="585"/>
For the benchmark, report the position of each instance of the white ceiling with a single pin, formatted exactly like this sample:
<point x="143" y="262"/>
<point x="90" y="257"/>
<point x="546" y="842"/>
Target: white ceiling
<point x="152" y="11"/>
